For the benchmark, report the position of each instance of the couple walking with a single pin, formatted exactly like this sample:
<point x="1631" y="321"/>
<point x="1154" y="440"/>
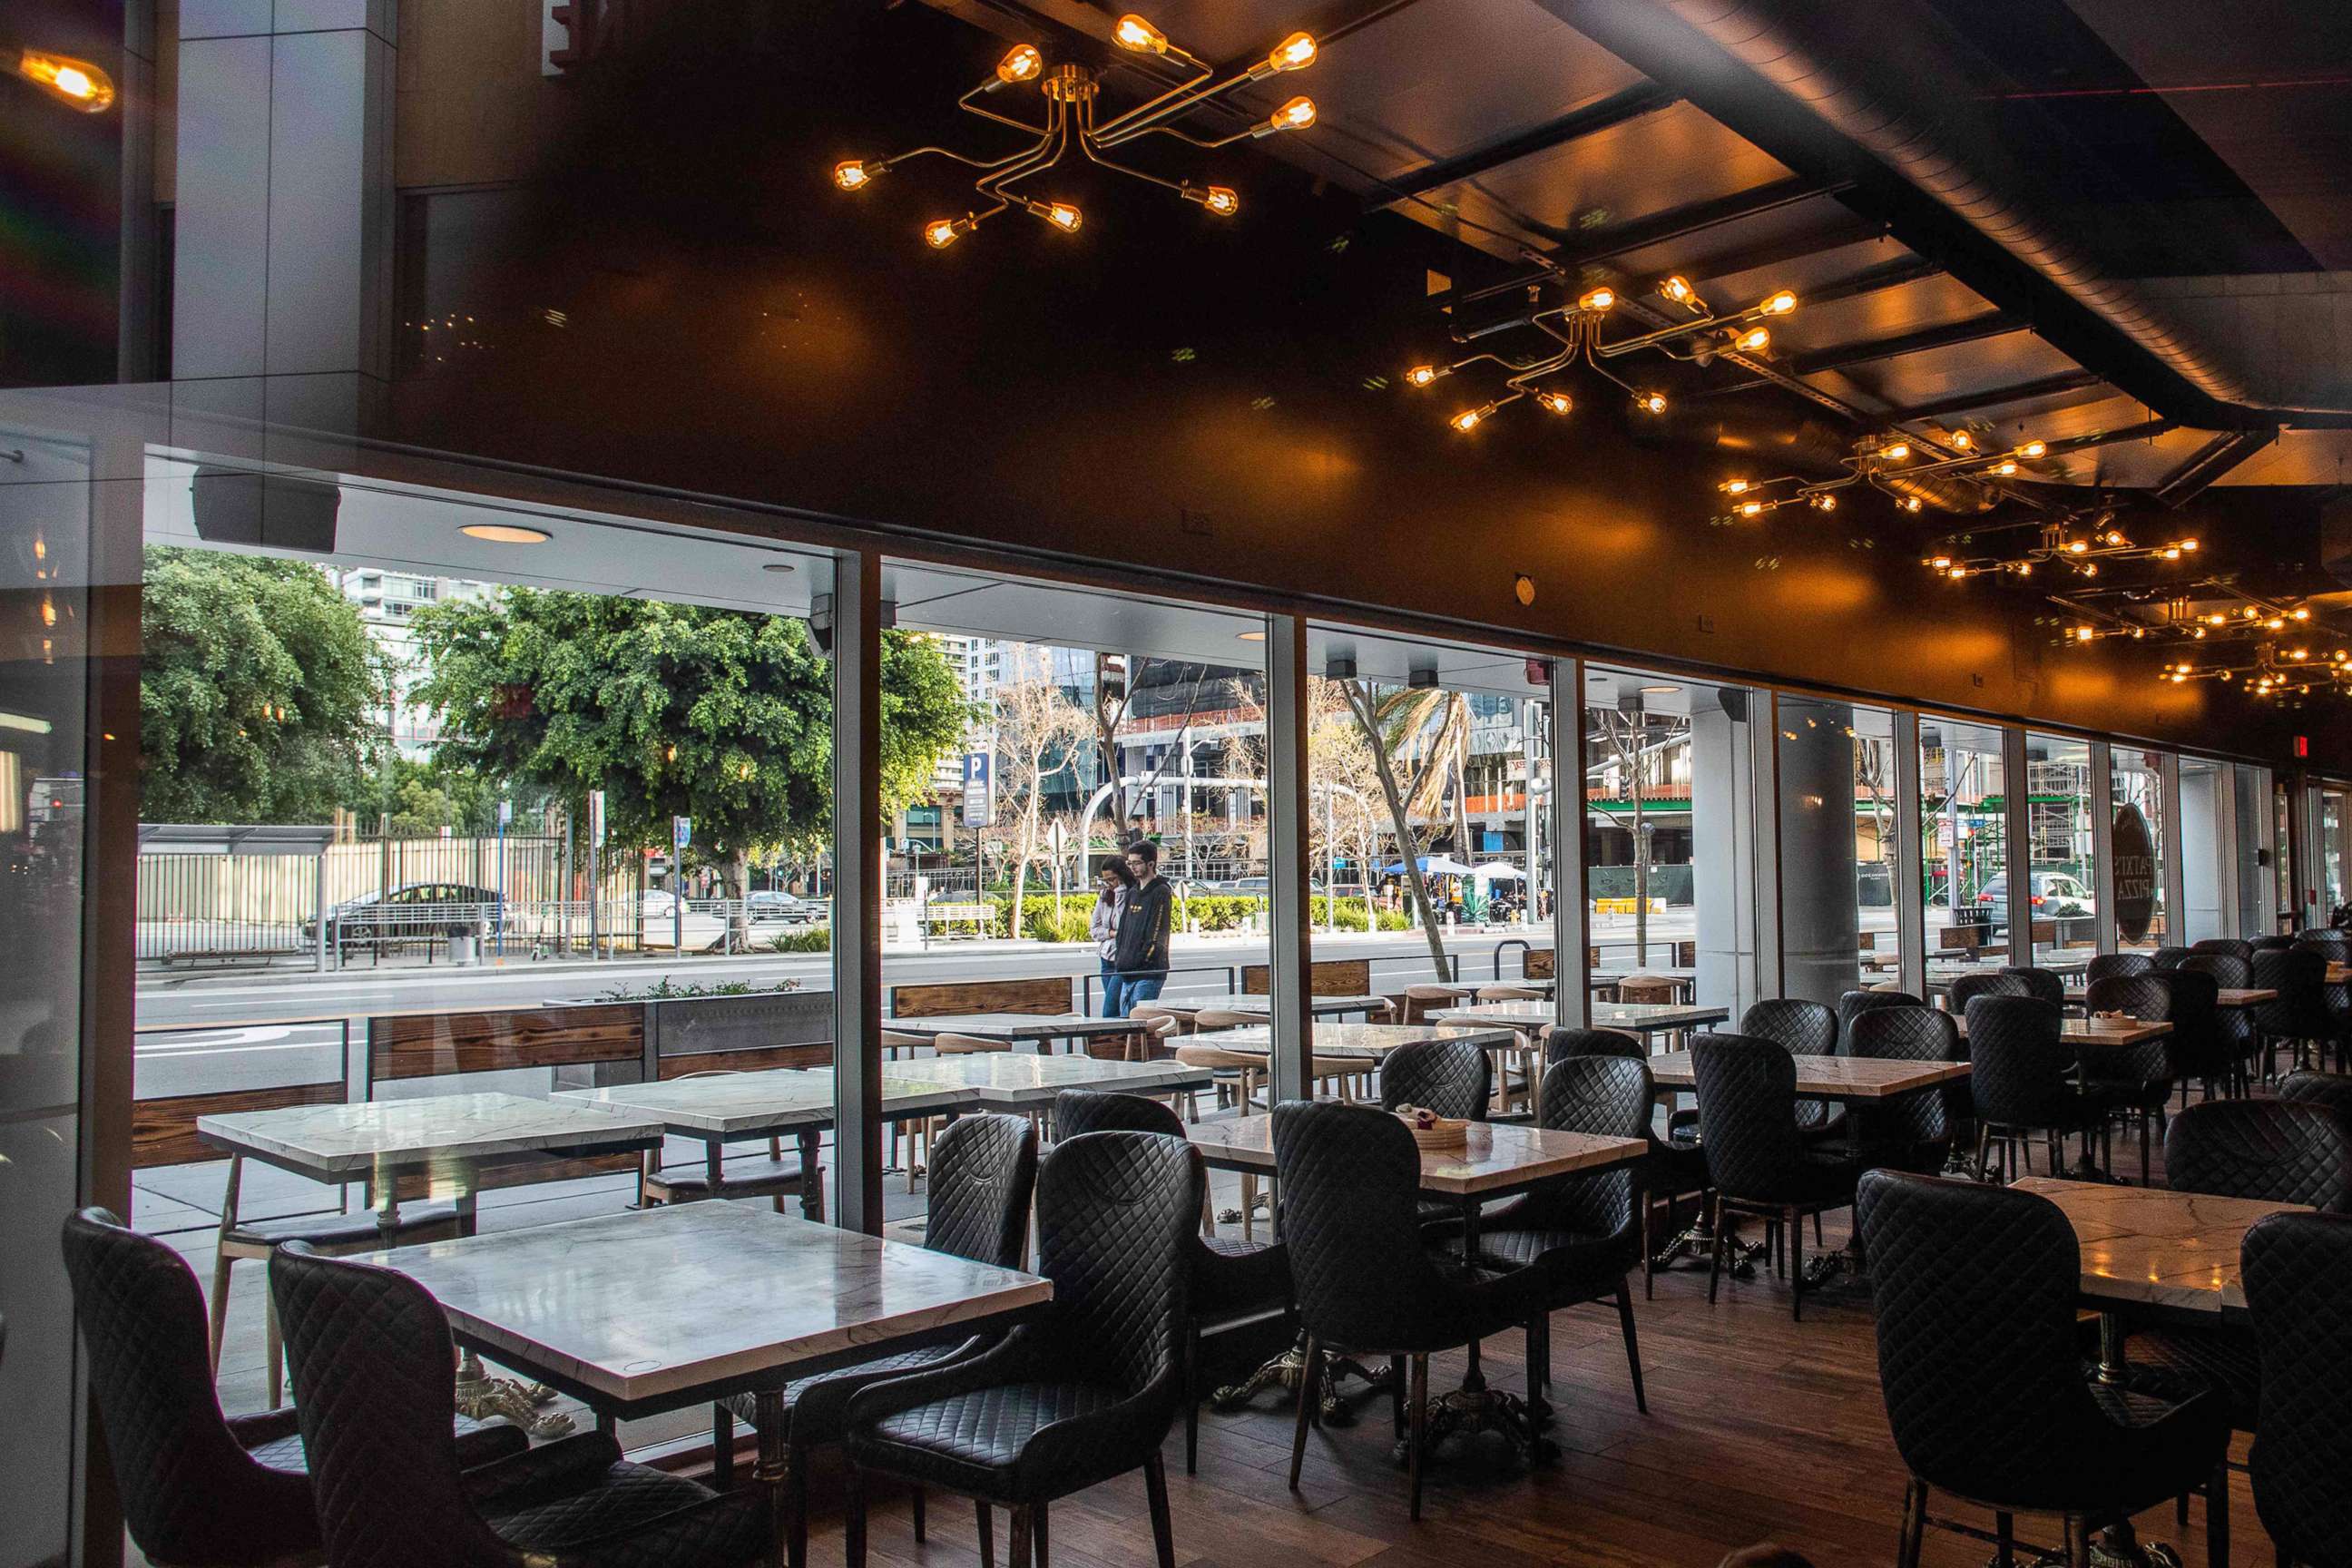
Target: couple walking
<point x="1129" y="926"/>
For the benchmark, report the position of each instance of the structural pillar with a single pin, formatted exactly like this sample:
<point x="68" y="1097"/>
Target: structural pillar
<point x="1289" y="940"/>
<point x="857" y="890"/>
<point x="1821" y="922"/>
<point x="1723" y="844"/>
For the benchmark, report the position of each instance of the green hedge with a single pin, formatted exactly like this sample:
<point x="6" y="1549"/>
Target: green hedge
<point x="808" y="939"/>
<point x="1208" y="911"/>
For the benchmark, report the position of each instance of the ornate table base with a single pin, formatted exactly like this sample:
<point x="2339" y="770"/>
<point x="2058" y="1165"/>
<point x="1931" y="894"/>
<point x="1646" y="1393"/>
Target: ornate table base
<point x="481" y="1397"/>
<point x="1284" y="1372"/>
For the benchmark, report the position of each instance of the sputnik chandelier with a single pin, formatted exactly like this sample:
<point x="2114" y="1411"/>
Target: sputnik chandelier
<point x="1576" y="327"/>
<point x="1883" y="463"/>
<point x="2267" y="647"/>
<point x="1070" y="93"/>
<point x="2077" y="545"/>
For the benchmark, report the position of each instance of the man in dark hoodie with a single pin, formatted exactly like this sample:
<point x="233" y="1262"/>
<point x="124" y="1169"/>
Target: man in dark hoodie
<point x="1141" y="952"/>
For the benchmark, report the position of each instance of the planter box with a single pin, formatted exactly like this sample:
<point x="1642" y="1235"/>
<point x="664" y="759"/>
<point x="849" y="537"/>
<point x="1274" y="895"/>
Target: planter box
<point x="767" y="1029"/>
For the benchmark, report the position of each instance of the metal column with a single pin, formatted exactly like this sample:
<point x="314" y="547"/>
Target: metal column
<point x="1289" y="940"/>
<point x="2017" y="852"/>
<point x="1910" y="858"/>
<point x="2168" y="850"/>
<point x="857" y="890"/>
<point x="2102" y="843"/>
<point x="1571" y="924"/>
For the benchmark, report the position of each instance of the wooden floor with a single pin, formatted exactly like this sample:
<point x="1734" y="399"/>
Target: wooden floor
<point x="1759" y="1429"/>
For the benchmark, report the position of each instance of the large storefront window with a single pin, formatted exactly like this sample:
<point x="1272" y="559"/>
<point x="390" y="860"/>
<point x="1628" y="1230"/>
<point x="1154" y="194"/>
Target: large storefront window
<point x="1964" y="829"/>
<point x="2065" y="873"/>
<point x="2138" y="841"/>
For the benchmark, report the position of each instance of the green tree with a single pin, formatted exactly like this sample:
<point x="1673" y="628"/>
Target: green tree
<point x="259" y="693"/>
<point x="672" y="711"/>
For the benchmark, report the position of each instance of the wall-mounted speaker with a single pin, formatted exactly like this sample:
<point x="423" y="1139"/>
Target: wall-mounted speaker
<point x="276" y="512"/>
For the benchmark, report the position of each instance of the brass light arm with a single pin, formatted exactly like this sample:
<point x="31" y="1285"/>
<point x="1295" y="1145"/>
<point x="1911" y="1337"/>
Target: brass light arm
<point x="1030" y="152"/>
<point x="969" y="103"/>
<point x="1173" y="102"/>
<point x="1087" y="144"/>
<point x="1043" y="156"/>
<point x="1679" y="329"/>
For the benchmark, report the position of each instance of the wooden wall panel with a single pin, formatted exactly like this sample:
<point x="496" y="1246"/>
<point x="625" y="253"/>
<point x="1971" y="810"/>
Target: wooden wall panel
<point x="754" y="1061"/>
<point x="431" y="1044"/>
<point x="1328" y="977"/>
<point x="163" y="1131"/>
<point x="1044" y="995"/>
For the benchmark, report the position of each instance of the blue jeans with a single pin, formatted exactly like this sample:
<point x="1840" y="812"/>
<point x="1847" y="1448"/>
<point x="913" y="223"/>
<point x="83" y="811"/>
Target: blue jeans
<point x="1111" y="991"/>
<point x="1138" y="988"/>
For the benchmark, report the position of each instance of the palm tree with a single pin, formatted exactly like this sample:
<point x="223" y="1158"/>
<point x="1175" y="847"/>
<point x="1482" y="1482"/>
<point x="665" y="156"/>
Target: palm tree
<point x="1432" y="727"/>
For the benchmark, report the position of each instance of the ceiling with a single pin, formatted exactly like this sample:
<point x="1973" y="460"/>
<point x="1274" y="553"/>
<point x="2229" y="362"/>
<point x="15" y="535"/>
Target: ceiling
<point x="1509" y="127"/>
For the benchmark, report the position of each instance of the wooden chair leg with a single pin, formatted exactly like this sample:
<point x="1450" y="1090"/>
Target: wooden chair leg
<point x="723" y="1448"/>
<point x="1714" y="1256"/>
<point x="796" y="1506"/>
<point x="1797" y="1266"/>
<point x="1019" y="1555"/>
<point x="1915" y="1523"/>
<point x="273" y="1348"/>
<point x="1155" y="1490"/>
<point x="987" y="1534"/>
<point x="218" y="1307"/>
<point x="916" y="1505"/>
<point x="2004" y="1535"/>
<point x="2216" y="1516"/>
<point x="853" y="1517"/>
<point x="1633" y="1344"/>
<point x="1649" y="1265"/>
<point x="1037" y="1533"/>
<point x="1311" y="1365"/>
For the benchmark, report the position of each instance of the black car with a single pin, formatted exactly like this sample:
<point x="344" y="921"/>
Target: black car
<point x="414" y="911"/>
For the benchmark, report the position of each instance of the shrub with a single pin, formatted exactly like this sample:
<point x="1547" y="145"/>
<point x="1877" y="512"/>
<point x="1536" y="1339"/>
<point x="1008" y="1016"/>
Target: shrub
<point x="1038" y="923"/>
<point x="808" y="939"/>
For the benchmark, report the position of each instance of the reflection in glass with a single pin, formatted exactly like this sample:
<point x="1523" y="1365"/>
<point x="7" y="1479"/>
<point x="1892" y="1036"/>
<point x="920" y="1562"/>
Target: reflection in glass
<point x="2065" y="871"/>
<point x="2139" y="850"/>
<point x="1964" y="847"/>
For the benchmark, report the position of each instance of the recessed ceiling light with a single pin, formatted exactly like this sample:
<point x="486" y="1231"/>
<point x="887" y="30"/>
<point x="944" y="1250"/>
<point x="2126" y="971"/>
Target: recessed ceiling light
<point x="1250" y="637"/>
<point x="778" y="566"/>
<point x="506" y="534"/>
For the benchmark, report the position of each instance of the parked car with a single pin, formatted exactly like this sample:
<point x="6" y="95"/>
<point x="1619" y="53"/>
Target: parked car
<point x="2057" y="896"/>
<point x="412" y="911"/>
<point x="656" y="905"/>
<point x="776" y="907"/>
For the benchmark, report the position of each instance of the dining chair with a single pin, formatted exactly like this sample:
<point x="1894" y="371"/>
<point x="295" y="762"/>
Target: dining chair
<point x="1449" y="1075"/>
<point x="1078" y="1397"/>
<point x="1367" y="1284"/>
<point x="2021" y="1083"/>
<point x="1801" y="1028"/>
<point x="1674" y="1167"/>
<point x="2297" y="1270"/>
<point x="1758" y="1161"/>
<point x="1913" y="1132"/>
<point x="2199" y="1050"/>
<point x="2168" y="957"/>
<point x="2045" y="985"/>
<point x="198" y="1488"/>
<point x="774" y="1175"/>
<point x="1973" y="1288"/>
<point x="2298" y="1014"/>
<point x="1854" y="1004"/>
<point x="2276" y="942"/>
<point x="1241" y="1313"/>
<point x="2135" y="1081"/>
<point x="2236" y="1040"/>
<point x="1506" y="992"/>
<point x="983" y="1173"/>
<point x="1580" y="1236"/>
<point x="2222" y="944"/>
<point x="1420" y="1001"/>
<point x="2105" y="966"/>
<point x="2332" y="1089"/>
<point x="1968" y="988"/>
<point x="371" y="1353"/>
<point x="894" y="1042"/>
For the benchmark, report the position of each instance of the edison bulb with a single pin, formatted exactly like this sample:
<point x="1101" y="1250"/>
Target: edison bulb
<point x="1778" y="304"/>
<point x="2034" y="449"/>
<point x="940" y="233"/>
<point x="76" y="83"/>
<point x="1651" y="402"/>
<point x="1894" y="452"/>
<point x="1296" y="115"/>
<point x="1678" y="289"/>
<point x="1293" y="53"/>
<point x="852" y="175"/>
<point x="1421" y="375"/>
<point x="1467" y="420"/>
<point x="1597" y="299"/>
<point x="1556" y="402"/>
<point x="1755" y="339"/>
<point x="1134" y="33"/>
<point x="1020" y="63"/>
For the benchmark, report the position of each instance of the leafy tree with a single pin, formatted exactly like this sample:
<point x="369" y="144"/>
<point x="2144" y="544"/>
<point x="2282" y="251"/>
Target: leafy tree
<point x="672" y="711"/>
<point x="417" y="799"/>
<point x="260" y="696"/>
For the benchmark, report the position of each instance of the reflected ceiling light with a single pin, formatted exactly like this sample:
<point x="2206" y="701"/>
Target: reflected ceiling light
<point x="76" y="83"/>
<point x="779" y="567"/>
<point x="1660" y="691"/>
<point x="1249" y="637"/>
<point x="1071" y="95"/>
<point x="506" y="534"/>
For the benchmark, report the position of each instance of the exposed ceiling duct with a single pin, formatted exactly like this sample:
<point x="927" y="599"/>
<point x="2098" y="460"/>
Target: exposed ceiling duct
<point x="1761" y="34"/>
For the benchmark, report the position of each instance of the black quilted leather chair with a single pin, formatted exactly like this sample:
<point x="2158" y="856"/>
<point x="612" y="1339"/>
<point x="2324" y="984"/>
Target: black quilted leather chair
<point x="370" y="1355"/>
<point x="199" y="1489"/>
<point x="2199" y="1050"/>
<point x="1756" y="1160"/>
<point x="1451" y="1077"/>
<point x="2336" y="946"/>
<point x="2332" y="1089"/>
<point x="2229" y="946"/>
<point x="2041" y="984"/>
<point x="2136" y="1081"/>
<point x="1974" y="1290"/>
<point x="2264" y="1149"/>
<point x="2235" y="1038"/>
<point x="2109" y="965"/>
<point x="1912" y="1132"/>
<point x="2021" y="1083"/>
<point x="2299" y="1014"/>
<point x="1365" y="1283"/>
<point x="1241" y="1313"/>
<point x="2168" y="957"/>
<point x="983" y="1170"/>
<point x="1084" y="1395"/>
<point x="2298" y="1275"/>
<point x="1801" y="1028"/>
<point x="1853" y="1004"/>
<point x="1580" y="1236"/>
<point x="2277" y="942"/>
<point x="1674" y="1169"/>
<point x="1968" y="988"/>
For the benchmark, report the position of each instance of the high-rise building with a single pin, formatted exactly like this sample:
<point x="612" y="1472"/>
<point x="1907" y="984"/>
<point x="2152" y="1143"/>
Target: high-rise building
<point x="386" y="601"/>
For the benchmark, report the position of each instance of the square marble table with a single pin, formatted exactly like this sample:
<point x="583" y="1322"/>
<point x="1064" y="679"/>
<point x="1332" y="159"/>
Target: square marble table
<point x="1829" y="1077"/>
<point x="1002" y="1080"/>
<point x="1014" y="1028"/>
<point x="638" y="1313"/>
<point x="452" y="1137"/>
<point x="1368" y="1041"/>
<point x="2151" y="1247"/>
<point x="1258" y="1005"/>
<point x="1643" y="1018"/>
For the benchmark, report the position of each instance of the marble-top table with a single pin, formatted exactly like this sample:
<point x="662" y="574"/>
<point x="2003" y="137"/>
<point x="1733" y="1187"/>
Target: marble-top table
<point x="1002" y="1080"/>
<point x="1469" y="989"/>
<point x="1259" y="1004"/>
<point x="2096" y="1034"/>
<point x="1829" y="1077"/>
<point x="636" y="1313"/>
<point x="1632" y="1017"/>
<point x="1370" y="1041"/>
<point x="453" y="1134"/>
<point x="2151" y="1247"/>
<point x="722" y="1107"/>
<point x="1014" y="1028"/>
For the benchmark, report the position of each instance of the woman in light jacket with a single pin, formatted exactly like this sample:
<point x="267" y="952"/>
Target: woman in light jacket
<point x="1113" y="879"/>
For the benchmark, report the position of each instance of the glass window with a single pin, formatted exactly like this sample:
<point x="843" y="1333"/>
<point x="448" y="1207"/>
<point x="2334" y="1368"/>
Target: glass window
<point x="2138" y="842"/>
<point x="1838" y="847"/>
<point x="1964" y="846"/>
<point x="1670" y="840"/>
<point x="2209" y="850"/>
<point x="2065" y="873"/>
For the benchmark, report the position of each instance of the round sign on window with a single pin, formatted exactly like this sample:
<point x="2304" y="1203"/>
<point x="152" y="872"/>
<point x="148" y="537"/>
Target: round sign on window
<point x="2135" y="868"/>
